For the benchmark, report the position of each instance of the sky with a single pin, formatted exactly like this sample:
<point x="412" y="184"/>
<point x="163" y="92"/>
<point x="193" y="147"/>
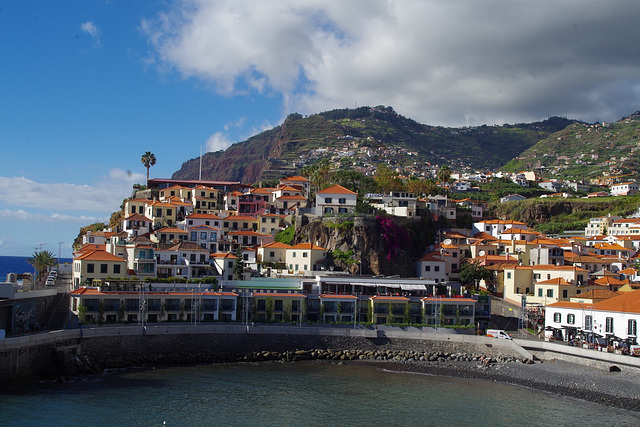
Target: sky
<point x="88" y="86"/>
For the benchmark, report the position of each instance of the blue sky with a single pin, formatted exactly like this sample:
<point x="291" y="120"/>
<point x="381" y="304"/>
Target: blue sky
<point x="86" y="87"/>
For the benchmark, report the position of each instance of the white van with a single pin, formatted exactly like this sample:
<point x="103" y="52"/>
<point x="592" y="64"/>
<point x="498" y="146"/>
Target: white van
<point x="498" y="333"/>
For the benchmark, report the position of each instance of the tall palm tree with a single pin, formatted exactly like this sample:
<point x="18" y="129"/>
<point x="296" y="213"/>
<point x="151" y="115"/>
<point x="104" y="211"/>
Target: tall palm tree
<point x="148" y="160"/>
<point x="41" y="261"/>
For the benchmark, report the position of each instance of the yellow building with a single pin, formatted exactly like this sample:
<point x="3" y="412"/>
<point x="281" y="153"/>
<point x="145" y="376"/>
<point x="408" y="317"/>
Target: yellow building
<point x="94" y="266"/>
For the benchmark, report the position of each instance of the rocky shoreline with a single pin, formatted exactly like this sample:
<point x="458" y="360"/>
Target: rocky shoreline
<point x="615" y="389"/>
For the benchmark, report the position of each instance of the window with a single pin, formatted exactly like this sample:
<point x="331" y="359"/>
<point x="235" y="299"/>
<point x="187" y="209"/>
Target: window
<point x="536" y="276"/>
<point x="103" y="268"/>
<point x="277" y="305"/>
<point x="272" y="254"/>
<point x="293" y="254"/>
<point x="540" y="292"/>
<point x="194" y="236"/>
<point x="565" y="293"/>
<point x="90" y="268"/>
<point x="609" y="325"/>
<point x="509" y="275"/>
<point x="557" y="317"/>
<point x="327" y="200"/>
<point x="632" y="327"/>
<point x="116" y="269"/>
<point x="342" y="200"/>
<point x="305" y="255"/>
<point x="454" y="254"/>
<point x="436" y="268"/>
<point x="549" y="293"/>
<point x="203" y="235"/>
<point x="588" y="323"/>
<point x="427" y="268"/>
<point x="571" y="319"/>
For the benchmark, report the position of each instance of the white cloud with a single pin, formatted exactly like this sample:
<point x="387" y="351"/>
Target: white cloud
<point x="91" y="29"/>
<point x="451" y="63"/>
<point x="22" y="215"/>
<point x="104" y="196"/>
<point x="218" y="141"/>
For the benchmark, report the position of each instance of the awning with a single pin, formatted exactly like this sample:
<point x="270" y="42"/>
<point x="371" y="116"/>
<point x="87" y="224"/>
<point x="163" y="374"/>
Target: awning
<point x="413" y="287"/>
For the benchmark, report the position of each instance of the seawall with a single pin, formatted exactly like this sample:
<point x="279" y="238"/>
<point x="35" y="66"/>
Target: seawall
<point x="91" y="349"/>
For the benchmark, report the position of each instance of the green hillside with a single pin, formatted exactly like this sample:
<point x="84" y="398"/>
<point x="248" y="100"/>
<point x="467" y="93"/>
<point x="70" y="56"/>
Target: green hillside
<point x="359" y="139"/>
<point x="586" y="151"/>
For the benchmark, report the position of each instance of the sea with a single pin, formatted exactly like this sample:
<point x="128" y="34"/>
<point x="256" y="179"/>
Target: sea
<point x="293" y="394"/>
<point x="287" y="394"/>
<point x="18" y="265"/>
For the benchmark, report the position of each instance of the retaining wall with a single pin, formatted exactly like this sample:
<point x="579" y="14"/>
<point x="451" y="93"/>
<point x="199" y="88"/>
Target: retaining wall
<point x="30" y="355"/>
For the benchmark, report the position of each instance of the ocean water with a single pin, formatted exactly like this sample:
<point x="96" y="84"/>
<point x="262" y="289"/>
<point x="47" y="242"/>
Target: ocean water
<point x="18" y="265"/>
<point x="300" y="394"/>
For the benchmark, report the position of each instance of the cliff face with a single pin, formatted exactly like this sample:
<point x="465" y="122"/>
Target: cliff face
<point x="374" y="250"/>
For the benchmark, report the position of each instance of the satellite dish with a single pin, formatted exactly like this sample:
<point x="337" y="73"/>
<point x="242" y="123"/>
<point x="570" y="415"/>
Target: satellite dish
<point x="447" y="242"/>
<point x="481" y="253"/>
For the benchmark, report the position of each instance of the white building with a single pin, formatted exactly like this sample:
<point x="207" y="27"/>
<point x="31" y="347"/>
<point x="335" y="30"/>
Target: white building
<point x="624" y="188"/>
<point x="613" y="317"/>
<point x="334" y="200"/>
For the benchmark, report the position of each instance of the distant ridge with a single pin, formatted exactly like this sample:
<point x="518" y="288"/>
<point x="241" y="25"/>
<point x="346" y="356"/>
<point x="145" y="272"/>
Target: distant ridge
<point x="385" y="135"/>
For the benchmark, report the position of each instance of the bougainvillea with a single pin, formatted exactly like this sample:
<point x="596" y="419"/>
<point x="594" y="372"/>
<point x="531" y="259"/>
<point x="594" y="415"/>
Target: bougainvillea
<point x="395" y="237"/>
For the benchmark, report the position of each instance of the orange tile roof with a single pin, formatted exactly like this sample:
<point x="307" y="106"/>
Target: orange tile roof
<point x="596" y="294"/>
<point x="240" y="218"/>
<point x="338" y="296"/>
<point x="307" y="246"/>
<point x="336" y="189"/>
<point x="628" y="302"/>
<point x="276" y="245"/>
<point x="171" y="230"/>
<point x="389" y="297"/>
<point x="97" y="255"/>
<point x="222" y="255"/>
<point x="295" y="178"/>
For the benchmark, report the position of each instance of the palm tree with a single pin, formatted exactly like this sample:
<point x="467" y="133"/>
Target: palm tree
<point x="41" y="261"/>
<point x="148" y="160"/>
<point x="444" y="176"/>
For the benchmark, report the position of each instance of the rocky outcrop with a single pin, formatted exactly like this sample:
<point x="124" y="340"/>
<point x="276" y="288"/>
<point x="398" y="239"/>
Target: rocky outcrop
<point x="372" y="248"/>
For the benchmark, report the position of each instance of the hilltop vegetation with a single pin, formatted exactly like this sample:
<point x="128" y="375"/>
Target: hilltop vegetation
<point x="358" y="139"/>
<point x="558" y="215"/>
<point x="586" y="151"/>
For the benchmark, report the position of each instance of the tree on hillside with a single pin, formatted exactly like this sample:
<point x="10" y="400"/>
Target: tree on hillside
<point x="318" y="173"/>
<point x="42" y="261"/>
<point x="387" y="179"/>
<point x="471" y="273"/>
<point x="238" y="265"/>
<point x="148" y="159"/>
<point x="421" y="187"/>
<point x="444" y="176"/>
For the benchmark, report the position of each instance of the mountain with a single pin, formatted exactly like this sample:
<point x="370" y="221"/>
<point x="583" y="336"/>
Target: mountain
<point x="360" y="138"/>
<point x="598" y="152"/>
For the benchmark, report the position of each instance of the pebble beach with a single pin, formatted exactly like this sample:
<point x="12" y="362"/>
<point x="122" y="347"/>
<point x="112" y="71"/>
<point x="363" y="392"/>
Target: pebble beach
<point x="616" y="389"/>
